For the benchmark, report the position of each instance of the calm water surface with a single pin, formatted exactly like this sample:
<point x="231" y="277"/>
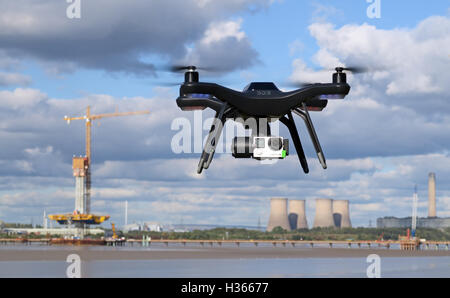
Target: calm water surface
<point x="262" y="268"/>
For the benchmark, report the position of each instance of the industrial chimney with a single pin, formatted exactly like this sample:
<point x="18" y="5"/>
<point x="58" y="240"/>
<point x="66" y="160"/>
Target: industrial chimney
<point x="297" y="216"/>
<point x="432" y="195"/>
<point x="278" y="214"/>
<point x="341" y="214"/>
<point x="324" y="213"/>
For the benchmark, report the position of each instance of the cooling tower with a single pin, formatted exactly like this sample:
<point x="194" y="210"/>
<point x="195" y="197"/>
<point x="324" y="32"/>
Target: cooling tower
<point x="278" y="214"/>
<point x="341" y="214"/>
<point x="297" y="216"/>
<point x="324" y="213"/>
<point x="432" y="195"/>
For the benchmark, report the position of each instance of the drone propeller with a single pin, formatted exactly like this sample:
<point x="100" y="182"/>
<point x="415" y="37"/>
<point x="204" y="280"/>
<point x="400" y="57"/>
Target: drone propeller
<point x="176" y="68"/>
<point x="353" y="69"/>
<point x="169" y="84"/>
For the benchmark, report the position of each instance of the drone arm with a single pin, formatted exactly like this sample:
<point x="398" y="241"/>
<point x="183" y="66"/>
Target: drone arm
<point x="190" y="103"/>
<point x="213" y="137"/>
<point x="290" y="124"/>
<point x="312" y="132"/>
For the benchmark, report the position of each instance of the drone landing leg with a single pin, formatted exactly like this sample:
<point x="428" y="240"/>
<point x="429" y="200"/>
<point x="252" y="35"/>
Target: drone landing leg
<point x="211" y="142"/>
<point x="312" y="132"/>
<point x="290" y="124"/>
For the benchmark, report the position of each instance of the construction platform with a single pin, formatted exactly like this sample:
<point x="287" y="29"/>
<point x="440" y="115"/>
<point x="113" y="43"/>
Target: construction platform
<point x="409" y="243"/>
<point x="87" y="219"/>
<point x="62" y="241"/>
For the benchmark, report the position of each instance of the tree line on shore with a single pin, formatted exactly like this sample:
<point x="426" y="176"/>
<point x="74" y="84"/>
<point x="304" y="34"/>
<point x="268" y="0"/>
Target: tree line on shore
<point x="278" y="233"/>
<point x="317" y="234"/>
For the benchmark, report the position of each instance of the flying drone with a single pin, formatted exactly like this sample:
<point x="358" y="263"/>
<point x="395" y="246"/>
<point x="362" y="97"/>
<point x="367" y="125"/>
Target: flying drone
<point x="260" y="100"/>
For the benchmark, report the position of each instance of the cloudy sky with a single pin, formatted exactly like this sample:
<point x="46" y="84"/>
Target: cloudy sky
<point x="385" y="137"/>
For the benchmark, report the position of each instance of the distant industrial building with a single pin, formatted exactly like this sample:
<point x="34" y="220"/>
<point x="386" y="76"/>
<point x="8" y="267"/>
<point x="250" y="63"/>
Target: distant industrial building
<point x="132" y="228"/>
<point x="405" y="222"/>
<point x="278" y="214"/>
<point x="432" y="221"/>
<point x="341" y="214"/>
<point x="297" y="215"/>
<point x="153" y="227"/>
<point x="329" y="213"/>
<point x="146" y="226"/>
<point x="324" y="213"/>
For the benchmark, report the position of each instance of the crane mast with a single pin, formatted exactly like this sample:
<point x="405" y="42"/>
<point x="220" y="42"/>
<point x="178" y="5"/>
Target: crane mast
<point x="89" y="118"/>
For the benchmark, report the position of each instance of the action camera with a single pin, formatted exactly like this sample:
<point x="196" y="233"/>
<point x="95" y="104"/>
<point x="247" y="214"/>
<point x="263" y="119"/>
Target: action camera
<point x="260" y="147"/>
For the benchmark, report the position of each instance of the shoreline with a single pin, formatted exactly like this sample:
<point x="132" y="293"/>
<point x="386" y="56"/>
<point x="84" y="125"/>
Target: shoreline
<point x="92" y="254"/>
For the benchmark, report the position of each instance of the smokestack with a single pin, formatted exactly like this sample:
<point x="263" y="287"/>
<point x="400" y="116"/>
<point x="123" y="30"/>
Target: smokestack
<point x="297" y="216"/>
<point x="432" y="195"/>
<point x="324" y="213"/>
<point x="44" y="218"/>
<point x="278" y="214"/>
<point x="341" y="214"/>
<point x="126" y="213"/>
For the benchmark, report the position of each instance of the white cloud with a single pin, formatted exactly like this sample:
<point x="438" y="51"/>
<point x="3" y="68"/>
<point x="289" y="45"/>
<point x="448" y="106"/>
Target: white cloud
<point x="224" y="46"/>
<point x="414" y="58"/>
<point x="8" y="79"/>
<point x="296" y="47"/>
<point x="302" y="73"/>
<point x="114" y="35"/>
<point x="21" y="98"/>
<point x="221" y="30"/>
<point x="322" y="13"/>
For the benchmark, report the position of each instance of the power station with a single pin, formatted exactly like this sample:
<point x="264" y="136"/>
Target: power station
<point x="324" y="214"/>
<point x="297" y="215"/>
<point x="341" y="214"/>
<point x="278" y="214"/>
<point x="329" y="213"/>
<point x="432" y="195"/>
<point x="432" y="221"/>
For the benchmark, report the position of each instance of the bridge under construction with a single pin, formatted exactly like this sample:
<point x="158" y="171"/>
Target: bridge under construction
<point x="81" y="217"/>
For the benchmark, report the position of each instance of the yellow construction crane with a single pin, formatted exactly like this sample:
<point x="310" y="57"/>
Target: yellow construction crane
<point x="113" y="226"/>
<point x="89" y="118"/>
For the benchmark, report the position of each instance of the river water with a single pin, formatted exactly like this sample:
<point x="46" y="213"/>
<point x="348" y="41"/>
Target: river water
<point x="232" y="268"/>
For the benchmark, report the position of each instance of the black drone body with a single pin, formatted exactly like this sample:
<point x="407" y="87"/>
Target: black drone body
<point x="260" y="101"/>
